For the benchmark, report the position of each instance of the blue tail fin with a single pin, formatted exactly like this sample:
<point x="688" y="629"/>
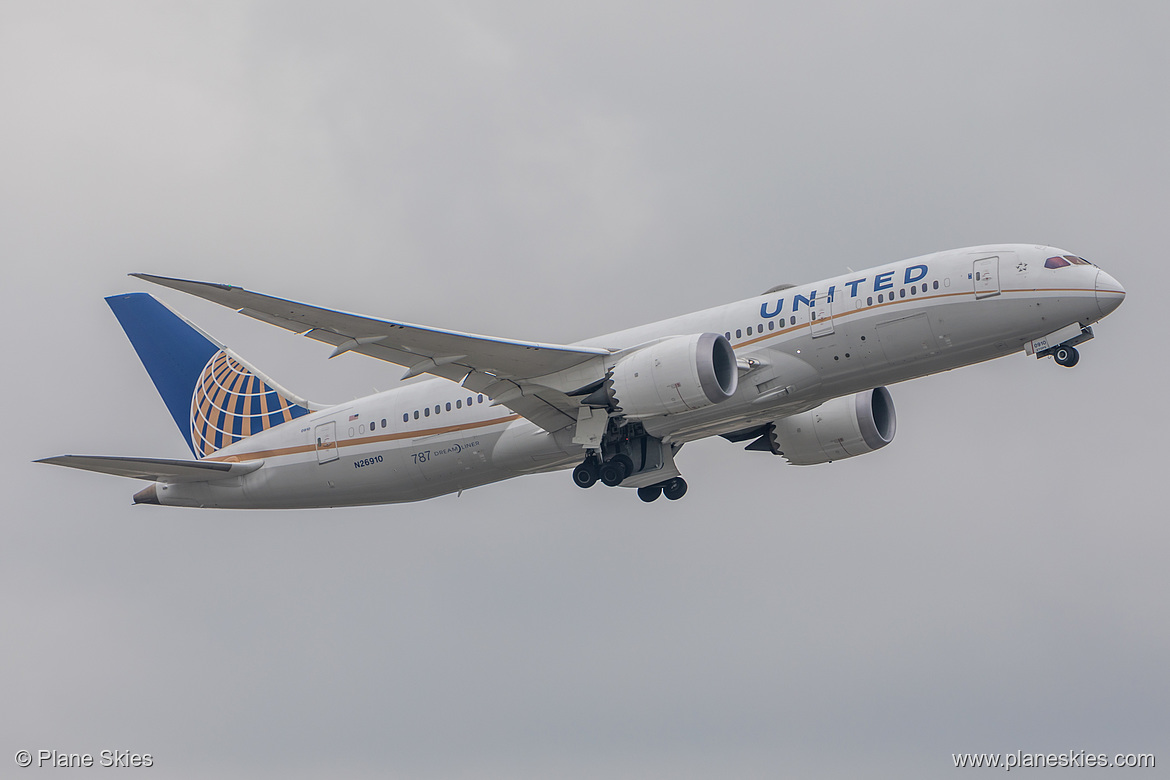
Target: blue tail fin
<point x="214" y="397"/>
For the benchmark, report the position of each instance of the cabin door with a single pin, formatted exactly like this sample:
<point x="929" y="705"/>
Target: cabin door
<point x="821" y="318"/>
<point x="326" y="435"/>
<point x="985" y="275"/>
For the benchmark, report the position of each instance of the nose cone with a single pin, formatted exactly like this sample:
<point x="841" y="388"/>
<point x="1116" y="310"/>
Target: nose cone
<point x="1110" y="293"/>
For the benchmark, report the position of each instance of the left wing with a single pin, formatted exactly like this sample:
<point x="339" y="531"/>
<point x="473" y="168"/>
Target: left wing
<point x="534" y="380"/>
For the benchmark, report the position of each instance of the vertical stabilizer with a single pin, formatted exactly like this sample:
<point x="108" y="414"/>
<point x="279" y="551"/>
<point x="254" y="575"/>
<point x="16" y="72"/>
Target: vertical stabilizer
<point x="215" y="398"/>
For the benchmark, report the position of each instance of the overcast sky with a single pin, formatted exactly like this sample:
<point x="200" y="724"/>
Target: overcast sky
<point x="995" y="580"/>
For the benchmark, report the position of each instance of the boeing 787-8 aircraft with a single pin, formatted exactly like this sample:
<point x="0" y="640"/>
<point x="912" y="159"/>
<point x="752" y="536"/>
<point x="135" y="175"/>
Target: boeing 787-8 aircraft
<point x="799" y="372"/>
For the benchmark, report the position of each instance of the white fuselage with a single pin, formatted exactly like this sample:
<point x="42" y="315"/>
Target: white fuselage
<point x="797" y="348"/>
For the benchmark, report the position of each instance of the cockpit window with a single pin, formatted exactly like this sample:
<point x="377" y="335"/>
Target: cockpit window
<point x="1056" y="262"/>
<point x="1077" y="260"/>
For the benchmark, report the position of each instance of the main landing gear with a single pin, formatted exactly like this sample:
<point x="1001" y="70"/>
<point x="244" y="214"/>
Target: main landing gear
<point x="1066" y="356"/>
<point x="615" y="470"/>
<point x="611" y="473"/>
<point x="673" y="489"/>
<point x="585" y="475"/>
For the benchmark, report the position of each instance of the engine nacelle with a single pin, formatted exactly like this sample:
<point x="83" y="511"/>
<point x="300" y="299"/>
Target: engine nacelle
<point x="675" y="375"/>
<point x="841" y="428"/>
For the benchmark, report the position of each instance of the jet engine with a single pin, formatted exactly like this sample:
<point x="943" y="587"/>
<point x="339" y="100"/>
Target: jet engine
<point x="841" y="428"/>
<point x="674" y="375"/>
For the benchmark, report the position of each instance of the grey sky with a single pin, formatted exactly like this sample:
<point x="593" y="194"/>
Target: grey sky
<point x="995" y="580"/>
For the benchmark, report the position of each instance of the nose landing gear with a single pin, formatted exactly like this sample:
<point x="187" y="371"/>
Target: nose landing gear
<point x="1066" y="356"/>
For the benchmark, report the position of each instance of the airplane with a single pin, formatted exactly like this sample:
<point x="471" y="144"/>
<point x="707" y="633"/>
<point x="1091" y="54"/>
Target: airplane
<point x="798" y="372"/>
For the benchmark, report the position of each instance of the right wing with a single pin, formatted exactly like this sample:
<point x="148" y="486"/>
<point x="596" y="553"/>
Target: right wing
<point x="156" y="469"/>
<point x="530" y="378"/>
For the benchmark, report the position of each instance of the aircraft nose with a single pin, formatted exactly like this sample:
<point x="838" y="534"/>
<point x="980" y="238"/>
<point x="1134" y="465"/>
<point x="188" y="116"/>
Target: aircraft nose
<point x="1110" y="293"/>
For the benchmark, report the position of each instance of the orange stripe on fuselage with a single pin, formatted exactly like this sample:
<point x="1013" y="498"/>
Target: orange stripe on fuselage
<point x="382" y="437"/>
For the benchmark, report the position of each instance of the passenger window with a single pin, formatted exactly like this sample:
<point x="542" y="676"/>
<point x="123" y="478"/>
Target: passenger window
<point x="881" y="297"/>
<point x="869" y="301"/>
<point x="405" y="417"/>
<point x="771" y="324"/>
<point x="383" y="422"/>
<point x="902" y="293"/>
<point x="427" y="412"/>
<point x="749" y="330"/>
<point x="362" y="428"/>
<point x="793" y="320"/>
<point x="448" y="406"/>
<point x="351" y="433"/>
<point x="936" y="284"/>
<point x="469" y="400"/>
<point x="437" y="409"/>
<point x="479" y="398"/>
<point x="459" y="404"/>
<point x="738" y="333"/>
<point x="913" y="289"/>
<point x="416" y="414"/>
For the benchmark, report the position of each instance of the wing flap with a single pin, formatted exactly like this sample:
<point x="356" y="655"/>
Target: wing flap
<point x="156" y="469"/>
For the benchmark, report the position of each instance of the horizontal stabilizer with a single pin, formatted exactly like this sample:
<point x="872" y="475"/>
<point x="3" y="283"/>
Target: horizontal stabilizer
<point x="156" y="469"/>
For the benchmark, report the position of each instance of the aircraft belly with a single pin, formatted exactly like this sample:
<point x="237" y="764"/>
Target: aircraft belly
<point x="522" y="448"/>
<point x="376" y="473"/>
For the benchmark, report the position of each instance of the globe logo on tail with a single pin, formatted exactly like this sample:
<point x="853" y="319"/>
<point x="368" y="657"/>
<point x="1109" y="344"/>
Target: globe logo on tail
<point x="232" y="403"/>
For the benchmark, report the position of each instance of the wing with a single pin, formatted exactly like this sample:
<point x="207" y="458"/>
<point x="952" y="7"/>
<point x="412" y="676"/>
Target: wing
<point x="534" y="380"/>
<point x="155" y="469"/>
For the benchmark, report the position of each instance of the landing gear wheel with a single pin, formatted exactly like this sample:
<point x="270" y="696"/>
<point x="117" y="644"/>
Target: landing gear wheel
<point x="674" y="489"/>
<point x="612" y="472"/>
<point x="650" y="493"/>
<point x="626" y="464"/>
<point x="585" y="475"/>
<point x="1066" y="356"/>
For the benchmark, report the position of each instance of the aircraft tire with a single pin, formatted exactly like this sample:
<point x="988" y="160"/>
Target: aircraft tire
<point x="674" y="489"/>
<point x="585" y="475"/>
<point x="612" y="473"/>
<point x="650" y="493"/>
<point x="626" y="464"/>
<point x="1066" y="356"/>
